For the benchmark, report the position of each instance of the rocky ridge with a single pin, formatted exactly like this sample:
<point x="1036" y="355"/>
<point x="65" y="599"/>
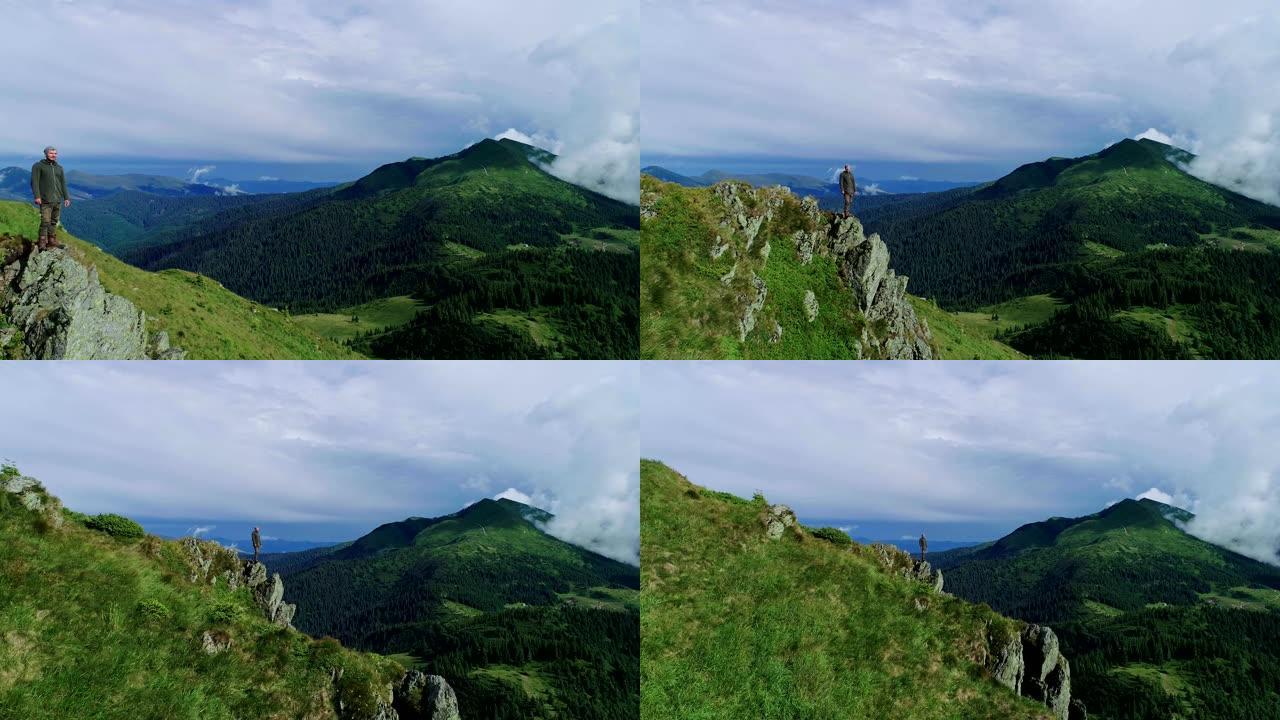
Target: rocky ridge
<point x="415" y="696"/>
<point x="1028" y="661"/>
<point x="750" y="216"/>
<point x="54" y="308"/>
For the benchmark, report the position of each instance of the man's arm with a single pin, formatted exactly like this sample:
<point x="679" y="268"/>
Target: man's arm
<point x="62" y="183"/>
<point x="35" y="182"/>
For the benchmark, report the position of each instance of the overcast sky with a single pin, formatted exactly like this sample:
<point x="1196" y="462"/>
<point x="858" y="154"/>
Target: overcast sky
<point x="318" y="89"/>
<point x="327" y="451"/>
<point x="962" y="90"/>
<point x="972" y="450"/>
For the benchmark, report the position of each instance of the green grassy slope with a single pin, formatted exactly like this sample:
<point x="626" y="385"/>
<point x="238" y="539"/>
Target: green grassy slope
<point x="735" y="626"/>
<point x="94" y="627"/>
<point x="1146" y="260"/>
<point x="372" y="317"/>
<point x="525" y="625"/>
<point x="1157" y="622"/>
<point x="688" y="312"/>
<point x="201" y="316"/>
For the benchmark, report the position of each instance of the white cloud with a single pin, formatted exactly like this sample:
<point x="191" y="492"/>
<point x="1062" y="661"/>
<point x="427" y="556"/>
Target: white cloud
<point x="514" y="494"/>
<point x="551" y="145"/>
<point x="202" y="530"/>
<point x="1154" y="134"/>
<point x="312" y="81"/>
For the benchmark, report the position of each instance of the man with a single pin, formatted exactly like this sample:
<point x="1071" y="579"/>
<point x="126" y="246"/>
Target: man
<point x="924" y="545"/>
<point x="257" y="543"/>
<point x="848" y="188"/>
<point x="49" y="185"/>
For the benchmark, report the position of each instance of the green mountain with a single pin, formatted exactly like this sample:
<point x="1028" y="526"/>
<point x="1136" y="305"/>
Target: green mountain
<point x="1140" y="258"/>
<point x="746" y="613"/>
<point x="197" y="313"/>
<point x="523" y="624"/>
<point x="99" y="621"/>
<point x="1158" y="623"/>
<point x="506" y="259"/>
<point x="733" y="271"/>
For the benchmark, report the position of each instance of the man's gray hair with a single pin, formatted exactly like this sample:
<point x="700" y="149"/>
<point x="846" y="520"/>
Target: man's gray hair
<point x="46" y="150"/>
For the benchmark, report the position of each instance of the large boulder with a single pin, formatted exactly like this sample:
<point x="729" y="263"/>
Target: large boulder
<point x="425" y="697"/>
<point x="63" y="313"/>
<point x="1007" y="663"/>
<point x="777" y="518"/>
<point x="268" y="593"/>
<point x="1041" y="652"/>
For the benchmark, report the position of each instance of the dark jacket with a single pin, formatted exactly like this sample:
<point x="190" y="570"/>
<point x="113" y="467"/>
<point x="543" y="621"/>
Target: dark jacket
<point x="48" y="182"/>
<point x="847" y="185"/>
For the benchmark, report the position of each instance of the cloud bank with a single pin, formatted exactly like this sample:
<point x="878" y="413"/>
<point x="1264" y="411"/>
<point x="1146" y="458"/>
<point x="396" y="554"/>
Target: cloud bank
<point x="991" y="444"/>
<point x="934" y="81"/>
<point x="352" y="445"/>
<point x="351" y="82"/>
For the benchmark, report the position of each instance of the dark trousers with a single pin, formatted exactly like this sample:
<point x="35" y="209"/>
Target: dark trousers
<point x="848" y="200"/>
<point x="50" y="213"/>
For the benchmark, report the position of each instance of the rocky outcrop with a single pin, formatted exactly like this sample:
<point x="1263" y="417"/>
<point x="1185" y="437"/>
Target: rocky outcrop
<point x="60" y="311"/>
<point x="268" y="594"/>
<point x="1031" y="664"/>
<point x="899" y="562"/>
<point x="776" y="519"/>
<point x="31" y="494"/>
<point x="754" y="299"/>
<point x="891" y="328"/>
<point x="425" y="697"/>
<point x="213" y="642"/>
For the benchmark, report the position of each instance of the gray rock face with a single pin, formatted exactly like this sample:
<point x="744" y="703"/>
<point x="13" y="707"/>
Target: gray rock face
<point x="213" y="642"/>
<point x="810" y="305"/>
<point x="777" y="519"/>
<point x="1007" y="663"/>
<point x="1031" y="665"/>
<point x="893" y="328"/>
<point x="754" y="303"/>
<point x="1041" y="653"/>
<point x="775" y="336"/>
<point x="64" y="313"/>
<point x="31" y="494"/>
<point x="425" y="697"/>
<point x="268" y="594"/>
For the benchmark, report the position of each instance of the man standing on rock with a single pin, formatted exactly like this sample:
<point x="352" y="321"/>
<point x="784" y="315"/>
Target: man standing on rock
<point x="848" y="188"/>
<point x="49" y="186"/>
<point x="257" y="543"/>
<point x="924" y="545"/>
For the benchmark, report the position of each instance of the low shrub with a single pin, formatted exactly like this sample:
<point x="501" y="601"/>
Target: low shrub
<point x="117" y="526"/>
<point x="833" y="535"/>
<point x="154" y="611"/>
